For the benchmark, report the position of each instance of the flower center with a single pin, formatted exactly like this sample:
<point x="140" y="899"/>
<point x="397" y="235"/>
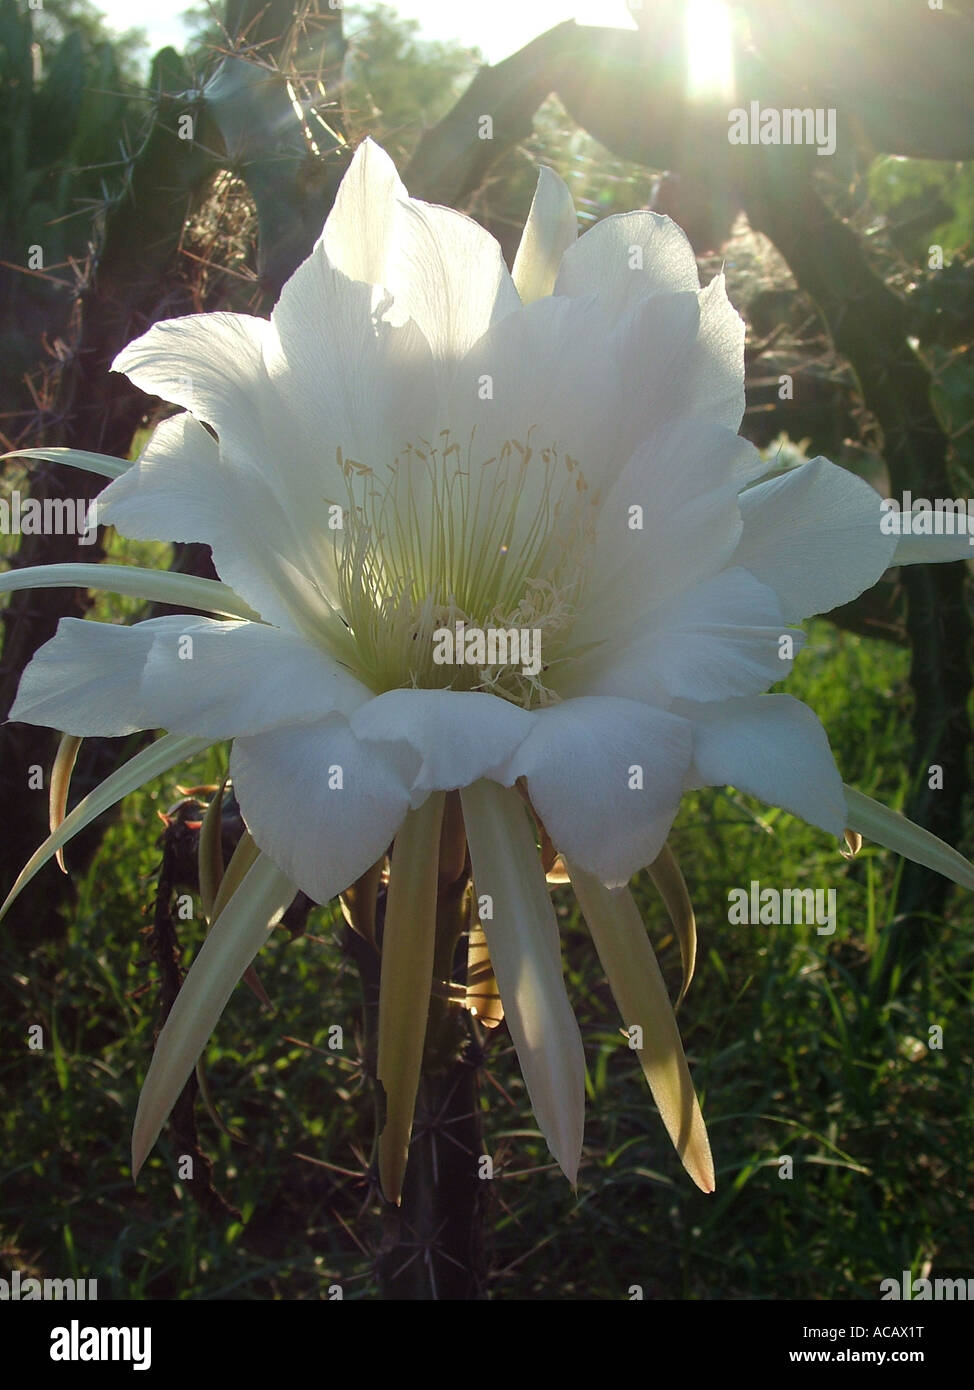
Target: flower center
<point x="445" y="538"/>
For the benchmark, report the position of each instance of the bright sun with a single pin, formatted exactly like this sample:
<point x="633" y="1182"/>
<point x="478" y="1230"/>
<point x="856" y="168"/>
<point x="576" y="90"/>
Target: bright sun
<point x="710" y="55"/>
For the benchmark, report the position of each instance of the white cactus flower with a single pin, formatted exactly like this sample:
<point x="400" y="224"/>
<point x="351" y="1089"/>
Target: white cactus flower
<point x="418" y="440"/>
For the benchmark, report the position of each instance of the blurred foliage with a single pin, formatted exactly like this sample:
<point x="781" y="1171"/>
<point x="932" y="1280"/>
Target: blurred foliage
<point x="926" y="201"/>
<point x="59" y="18"/>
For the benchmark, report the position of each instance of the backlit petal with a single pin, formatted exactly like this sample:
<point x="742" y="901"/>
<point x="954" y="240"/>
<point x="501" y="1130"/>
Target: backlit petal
<point x="522" y="937"/>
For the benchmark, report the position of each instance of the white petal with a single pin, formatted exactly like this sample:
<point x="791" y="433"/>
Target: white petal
<point x="443" y="269"/>
<point x="522" y="937"/>
<point x="814" y="536"/>
<point x="773" y="747"/>
<point x="553" y="386"/>
<point x="461" y="735"/>
<point x="721" y="350"/>
<point x="679" y="355"/>
<point x="628" y="257"/>
<point x="86" y="680"/>
<point x="182" y="673"/>
<point x="282" y="412"/>
<point x="580" y="761"/>
<point x="685" y="481"/>
<point x="548" y="369"/>
<point x="361" y="223"/>
<point x="237" y="936"/>
<point x="182" y="489"/>
<point x="227" y="680"/>
<point x="210" y="364"/>
<point x="550" y="229"/>
<point x="343" y="379"/>
<point x="448" y="275"/>
<point x="323" y="805"/>
<point x="932" y="550"/>
<point x="719" y="639"/>
<point x="654" y="350"/>
<point x="173" y="490"/>
<point x="630" y="260"/>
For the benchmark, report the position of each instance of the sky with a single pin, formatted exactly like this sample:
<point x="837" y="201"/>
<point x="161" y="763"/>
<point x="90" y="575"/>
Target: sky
<point x="497" y="27"/>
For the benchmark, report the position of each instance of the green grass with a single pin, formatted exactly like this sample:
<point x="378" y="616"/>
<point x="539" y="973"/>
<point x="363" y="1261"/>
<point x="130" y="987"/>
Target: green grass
<point x="793" y="1053"/>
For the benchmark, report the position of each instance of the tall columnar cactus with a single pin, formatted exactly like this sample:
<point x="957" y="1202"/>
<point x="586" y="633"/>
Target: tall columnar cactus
<point x="246" y="117"/>
<point x="60" y="119"/>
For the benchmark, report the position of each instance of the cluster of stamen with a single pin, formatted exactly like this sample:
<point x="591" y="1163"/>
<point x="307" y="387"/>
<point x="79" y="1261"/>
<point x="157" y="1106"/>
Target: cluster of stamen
<point x="442" y="537"/>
